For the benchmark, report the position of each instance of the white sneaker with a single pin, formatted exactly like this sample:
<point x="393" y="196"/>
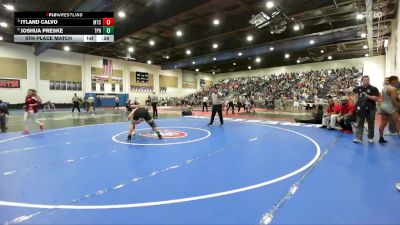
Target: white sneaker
<point x="371" y="140"/>
<point x="398" y="186"/>
<point x="357" y="141"/>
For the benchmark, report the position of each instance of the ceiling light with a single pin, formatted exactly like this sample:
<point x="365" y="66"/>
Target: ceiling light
<point x="3" y="24"/>
<point x="152" y="43"/>
<point x="271" y="48"/>
<point x="366" y="55"/>
<point x="298" y="61"/>
<point x="360" y="16"/>
<point x="9" y="7"/>
<point x="249" y="67"/>
<point x="312" y="42"/>
<point x="213" y="72"/>
<point x="363" y="35"/>
<point x="167" y="56"/>
<point x="216" y="22"/>
<point x="365" y="47"/>
<point x="215" y="45"/>
<point x="1" y="38"/>
<point x="322" y="51"/>
<point x="179" y="33"/>
<point x="240" y="54"/>
<point x="249" y="38"/>
<point x="131" y="49"/>
<point x="66" y="48"/>
<point x="287" y="56"/>
<point x="329" y="57"/>
<point x="121" y="14"/>
<point x="188" y="52"/>
<point x="270" y="4"/>
<point x="234" y="64"/>
<point x="296" y="27"/>
<point x="258" y="59"/>
<point x="148" y="61"/>
<point x="193" y="62"/>
<point x="214" y="58"/>
<point x="197" y="70"/>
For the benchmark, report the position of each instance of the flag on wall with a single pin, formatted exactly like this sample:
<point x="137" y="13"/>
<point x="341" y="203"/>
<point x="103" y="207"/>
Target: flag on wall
<point x="107" y="67"/>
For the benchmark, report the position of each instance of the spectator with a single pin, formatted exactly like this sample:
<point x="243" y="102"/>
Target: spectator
<point x="346" y="116"/>
<point x="3" y="116"/>
<point x="332" y="111"/>
<point x="75" y="103"/>
<point x="317" y="116"/>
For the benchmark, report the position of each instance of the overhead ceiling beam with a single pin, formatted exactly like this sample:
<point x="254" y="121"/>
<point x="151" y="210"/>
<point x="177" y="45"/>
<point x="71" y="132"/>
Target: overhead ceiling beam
<point x="370" y="31"/>
<point x="144" y="21"/>
<point x="293" y="44"/>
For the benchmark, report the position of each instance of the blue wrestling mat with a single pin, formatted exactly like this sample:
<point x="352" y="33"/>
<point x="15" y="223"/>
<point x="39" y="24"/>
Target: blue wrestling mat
<point x="244" y="172"/>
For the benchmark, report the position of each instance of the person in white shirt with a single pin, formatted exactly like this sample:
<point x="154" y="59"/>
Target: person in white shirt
<point x="205" y="103"/>
<point x="216" y="97"/>
<point x="116" y="101"/>
<point x="230" y="104"/>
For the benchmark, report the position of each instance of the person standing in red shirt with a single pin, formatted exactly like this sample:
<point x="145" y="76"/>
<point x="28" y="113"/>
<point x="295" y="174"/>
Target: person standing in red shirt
<point x="32" y="102"/>
<point x="346" y="116"/>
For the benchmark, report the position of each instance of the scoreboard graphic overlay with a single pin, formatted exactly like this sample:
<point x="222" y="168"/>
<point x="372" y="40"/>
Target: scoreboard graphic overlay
<point x="63" y="27"/>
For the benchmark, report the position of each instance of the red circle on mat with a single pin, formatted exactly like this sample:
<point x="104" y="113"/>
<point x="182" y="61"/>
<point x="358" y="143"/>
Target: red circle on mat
<point x="165" y="134"/>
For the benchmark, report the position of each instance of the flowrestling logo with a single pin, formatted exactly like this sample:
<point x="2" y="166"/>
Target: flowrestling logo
<point x="165" y="134"/>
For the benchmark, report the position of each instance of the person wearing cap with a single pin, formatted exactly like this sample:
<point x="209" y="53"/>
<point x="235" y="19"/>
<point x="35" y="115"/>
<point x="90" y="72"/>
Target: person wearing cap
<point x="346" y="115"/>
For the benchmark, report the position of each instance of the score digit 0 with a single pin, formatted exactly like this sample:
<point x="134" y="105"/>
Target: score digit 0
<point x="108" y="22"/>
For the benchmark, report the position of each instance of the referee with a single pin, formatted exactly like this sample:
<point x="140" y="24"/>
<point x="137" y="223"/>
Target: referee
<point x="154" y="102"/>
<point x="216" y="106"/>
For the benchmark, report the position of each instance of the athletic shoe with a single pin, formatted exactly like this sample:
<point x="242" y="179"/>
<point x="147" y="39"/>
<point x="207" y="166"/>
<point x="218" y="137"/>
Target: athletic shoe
<point x="41" y="126"/>
<point x="159" y="136"/>
<point x="398" y="186"/>
<point x="129" y="138"/>
<point x="370" y="140"/>
<point x="357" y="141"/>
<point x="323" y="126"/>
<point x="209" y="124"/>
<point x="25" y="132"/>
<point x="382" y="141"/>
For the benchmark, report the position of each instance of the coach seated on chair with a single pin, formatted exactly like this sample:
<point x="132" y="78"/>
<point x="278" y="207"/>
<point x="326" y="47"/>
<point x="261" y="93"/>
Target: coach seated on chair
<point x="332" y="112"/>
<point x="317" y="116"/>
<point x="346" y="115"/>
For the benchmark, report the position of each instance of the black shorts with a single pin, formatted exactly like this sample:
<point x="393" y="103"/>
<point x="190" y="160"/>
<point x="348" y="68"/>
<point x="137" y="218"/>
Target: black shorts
<point x="141" y="113"/>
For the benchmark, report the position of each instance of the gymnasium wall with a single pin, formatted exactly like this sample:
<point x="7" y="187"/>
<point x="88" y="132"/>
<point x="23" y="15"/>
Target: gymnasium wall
<point x="34" y="77"/>
<point x="191" y="81"/>
<point x="373" y="66"/>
